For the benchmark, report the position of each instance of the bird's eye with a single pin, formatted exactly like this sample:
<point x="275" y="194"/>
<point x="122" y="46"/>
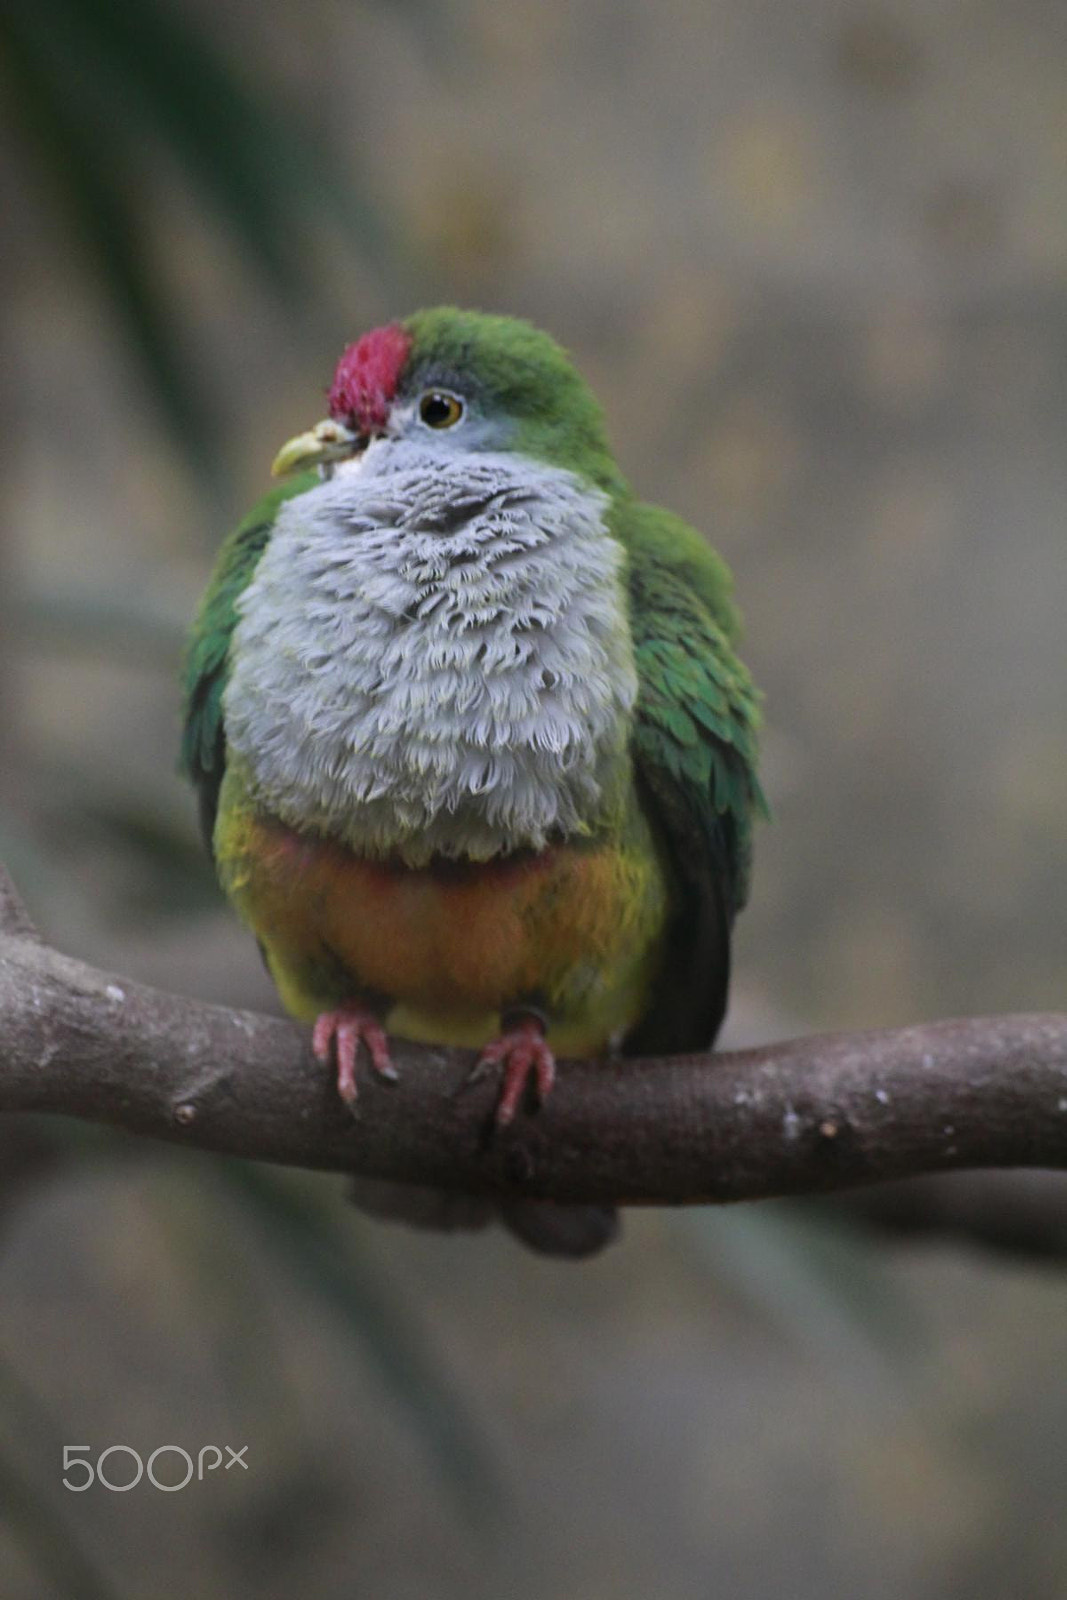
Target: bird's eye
<point x="439" y="409"/>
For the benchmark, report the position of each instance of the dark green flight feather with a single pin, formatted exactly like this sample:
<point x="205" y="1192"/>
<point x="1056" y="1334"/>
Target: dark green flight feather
<point x="694" y="746"/>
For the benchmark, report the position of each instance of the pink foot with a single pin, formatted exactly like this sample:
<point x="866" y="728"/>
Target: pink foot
<point x="348" y="1025"/>
<point x="524" y="1051"/>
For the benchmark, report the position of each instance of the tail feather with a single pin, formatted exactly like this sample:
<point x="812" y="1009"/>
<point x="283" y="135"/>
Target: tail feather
<point x="421" y="1207"/>
<point x="541" y="1225"/>
<point x="558" y="1230"/>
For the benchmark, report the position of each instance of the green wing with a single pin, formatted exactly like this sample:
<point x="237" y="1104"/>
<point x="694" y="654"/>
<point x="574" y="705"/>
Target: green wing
<point x="203" y="752"/>
<point x="694" y="746"/>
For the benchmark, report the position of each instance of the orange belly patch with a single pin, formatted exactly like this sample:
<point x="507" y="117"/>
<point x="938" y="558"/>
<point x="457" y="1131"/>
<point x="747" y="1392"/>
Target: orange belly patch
<point x="571" y="926"/>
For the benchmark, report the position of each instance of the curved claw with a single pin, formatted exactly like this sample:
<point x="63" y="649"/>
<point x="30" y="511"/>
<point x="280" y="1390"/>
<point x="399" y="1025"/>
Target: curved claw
<point x="524" y="1052"/>
<point x="347" y="1028"/>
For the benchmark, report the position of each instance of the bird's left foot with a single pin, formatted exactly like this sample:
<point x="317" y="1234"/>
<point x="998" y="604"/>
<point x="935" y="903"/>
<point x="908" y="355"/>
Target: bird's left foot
<point x="524" y="1052"/>
<point x="348" y="1027"/>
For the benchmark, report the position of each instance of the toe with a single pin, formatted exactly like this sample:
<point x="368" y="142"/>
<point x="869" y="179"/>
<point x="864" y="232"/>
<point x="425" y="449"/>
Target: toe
<point x="494" y="1053"/>
<point x="347" y="1047"/>
<point x="322" y="1036"/>
<point x="510" y="1096"/>
<point x="516" y="1075"/>
<point x="546" y="1072"/>
<point x="378" y="1045"/>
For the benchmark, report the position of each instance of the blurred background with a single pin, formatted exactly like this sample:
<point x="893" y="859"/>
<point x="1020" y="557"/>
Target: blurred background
<point x="813" y="258"/>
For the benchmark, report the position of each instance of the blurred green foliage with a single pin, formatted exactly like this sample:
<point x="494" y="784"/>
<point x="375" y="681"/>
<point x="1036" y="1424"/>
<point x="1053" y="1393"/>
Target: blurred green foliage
<point x="29" y="1453"/>
<point x="320" y="1250"/>
<point x="95" y="88"/>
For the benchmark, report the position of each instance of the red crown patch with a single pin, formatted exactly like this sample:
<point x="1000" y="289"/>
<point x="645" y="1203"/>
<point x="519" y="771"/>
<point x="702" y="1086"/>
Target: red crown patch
<point x="367" y="376"/>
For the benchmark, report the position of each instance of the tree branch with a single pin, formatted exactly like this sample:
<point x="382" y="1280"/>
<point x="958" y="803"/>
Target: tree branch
<point x="806" y="1116"/>
<point x="14" y="918"/>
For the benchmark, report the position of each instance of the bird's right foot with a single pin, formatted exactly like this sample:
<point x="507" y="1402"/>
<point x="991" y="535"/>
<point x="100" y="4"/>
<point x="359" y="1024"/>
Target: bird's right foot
<point x="346" y="1028"/>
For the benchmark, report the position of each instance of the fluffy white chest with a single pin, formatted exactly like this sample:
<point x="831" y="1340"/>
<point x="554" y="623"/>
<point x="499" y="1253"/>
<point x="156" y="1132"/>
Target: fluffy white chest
<point x="433" y="658"/>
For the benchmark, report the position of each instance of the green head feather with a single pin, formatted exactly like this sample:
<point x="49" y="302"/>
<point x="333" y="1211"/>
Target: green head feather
<point x="507" y="367"/>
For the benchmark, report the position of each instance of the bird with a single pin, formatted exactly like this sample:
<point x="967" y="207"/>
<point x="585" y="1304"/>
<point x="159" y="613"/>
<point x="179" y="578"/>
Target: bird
<point x="475" y="753"/>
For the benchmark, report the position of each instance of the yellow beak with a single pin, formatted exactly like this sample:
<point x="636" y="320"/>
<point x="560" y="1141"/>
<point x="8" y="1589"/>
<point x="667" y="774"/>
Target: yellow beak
<point x="327" y="441"/>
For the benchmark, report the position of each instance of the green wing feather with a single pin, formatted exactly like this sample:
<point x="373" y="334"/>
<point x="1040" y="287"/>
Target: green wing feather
<point x="695" y="750"/>
<point x="203" y="751"/>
